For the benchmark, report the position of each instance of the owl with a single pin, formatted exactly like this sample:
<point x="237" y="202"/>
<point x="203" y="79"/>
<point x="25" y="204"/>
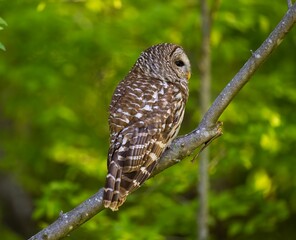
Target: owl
<point x="145" y="115"/>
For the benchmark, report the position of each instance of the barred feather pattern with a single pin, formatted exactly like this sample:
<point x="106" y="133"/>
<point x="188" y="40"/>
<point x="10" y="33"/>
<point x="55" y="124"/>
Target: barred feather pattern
<point x="146" y="112"/>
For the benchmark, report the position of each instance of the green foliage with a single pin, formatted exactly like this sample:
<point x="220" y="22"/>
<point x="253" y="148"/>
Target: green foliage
<point x="63" y="61"/>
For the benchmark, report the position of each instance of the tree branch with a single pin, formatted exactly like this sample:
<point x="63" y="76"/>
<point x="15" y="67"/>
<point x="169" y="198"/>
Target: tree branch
<point x="185" y="145"/>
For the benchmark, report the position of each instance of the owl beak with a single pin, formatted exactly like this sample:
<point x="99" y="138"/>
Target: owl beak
<point x="188" y="75"/>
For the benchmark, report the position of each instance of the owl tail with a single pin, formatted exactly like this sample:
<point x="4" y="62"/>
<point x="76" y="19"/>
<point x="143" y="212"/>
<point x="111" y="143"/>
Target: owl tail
<point x="112" y="197"/>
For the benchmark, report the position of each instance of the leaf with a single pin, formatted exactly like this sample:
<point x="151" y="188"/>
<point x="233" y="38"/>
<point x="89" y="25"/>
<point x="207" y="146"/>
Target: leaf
<point x="2" y="22"/>
<point x="2" y="47"/>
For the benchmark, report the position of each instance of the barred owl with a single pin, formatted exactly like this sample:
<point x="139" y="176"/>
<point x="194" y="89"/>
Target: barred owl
<point x="146" y="112"/>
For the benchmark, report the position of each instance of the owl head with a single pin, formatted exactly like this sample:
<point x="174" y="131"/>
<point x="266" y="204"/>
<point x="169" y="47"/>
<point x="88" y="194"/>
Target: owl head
<point x="165" y="61"/>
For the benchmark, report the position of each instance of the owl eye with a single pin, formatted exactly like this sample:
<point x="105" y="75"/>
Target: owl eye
<point x="179" y="63"/>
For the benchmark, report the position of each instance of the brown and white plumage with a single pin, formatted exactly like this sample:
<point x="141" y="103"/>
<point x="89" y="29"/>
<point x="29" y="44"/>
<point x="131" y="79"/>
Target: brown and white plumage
<point x="146" y="112"/>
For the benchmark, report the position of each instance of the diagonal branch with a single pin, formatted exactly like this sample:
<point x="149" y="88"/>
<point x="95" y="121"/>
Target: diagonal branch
<point x="183" y="146"/>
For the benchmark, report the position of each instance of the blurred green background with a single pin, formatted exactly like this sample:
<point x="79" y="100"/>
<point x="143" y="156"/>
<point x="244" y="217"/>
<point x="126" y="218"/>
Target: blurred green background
<point x="62" y="62"/>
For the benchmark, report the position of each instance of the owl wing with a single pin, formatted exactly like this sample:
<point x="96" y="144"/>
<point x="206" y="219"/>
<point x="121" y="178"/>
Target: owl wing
<point x="141" y="153"/>
<point x="132" y="160"/>
<point x="141" y="123"/>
